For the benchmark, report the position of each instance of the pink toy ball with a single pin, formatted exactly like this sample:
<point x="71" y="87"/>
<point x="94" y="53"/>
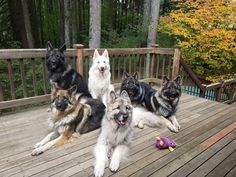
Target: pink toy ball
<point x="165" y="143"/>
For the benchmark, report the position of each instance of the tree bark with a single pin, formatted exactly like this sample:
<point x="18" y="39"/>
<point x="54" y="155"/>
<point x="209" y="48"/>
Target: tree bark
<point x="95" y="24"/>
<point x="153" y="21"/>
<point x="62" y="21"/>
<point x="74" y="21"/>
<point x="152" y="30"/>
<point x="35" y="23"/>
<point x="28" y="29"/>
<point x="67" y="22"/>
<point x="146" y="12"/>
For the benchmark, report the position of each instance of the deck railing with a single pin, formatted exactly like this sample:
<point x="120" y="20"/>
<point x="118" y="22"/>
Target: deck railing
<point x="24" y="78"/>
<point x="223" y="91"/>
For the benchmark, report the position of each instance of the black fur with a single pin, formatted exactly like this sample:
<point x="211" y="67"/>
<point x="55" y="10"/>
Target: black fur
<point x="60" y="73"/>
<point x="98" y="111"/>
<point x="164" y="101"/>
<point x="64" y="77"/>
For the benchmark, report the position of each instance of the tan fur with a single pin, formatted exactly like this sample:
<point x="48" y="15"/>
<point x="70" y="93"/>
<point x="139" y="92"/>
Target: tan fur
<point x="63" y="123"/>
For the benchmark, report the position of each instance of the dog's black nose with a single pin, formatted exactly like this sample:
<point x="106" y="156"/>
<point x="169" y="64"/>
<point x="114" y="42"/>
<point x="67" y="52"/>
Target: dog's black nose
<point x="125" y="116"/>
<point x="61" y="105"/>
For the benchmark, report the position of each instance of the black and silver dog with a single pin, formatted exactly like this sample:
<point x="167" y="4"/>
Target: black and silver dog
<point x="63" y="76"/>
<point x="154" y="108"/>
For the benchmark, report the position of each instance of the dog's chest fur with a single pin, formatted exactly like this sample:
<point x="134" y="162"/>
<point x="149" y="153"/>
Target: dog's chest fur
<point x="62" y="123"/>
<point x="99" y="82"/>
<point x="117" y="135"/>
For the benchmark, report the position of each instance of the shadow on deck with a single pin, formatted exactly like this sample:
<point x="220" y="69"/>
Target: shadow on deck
<point x="206" y="146"/>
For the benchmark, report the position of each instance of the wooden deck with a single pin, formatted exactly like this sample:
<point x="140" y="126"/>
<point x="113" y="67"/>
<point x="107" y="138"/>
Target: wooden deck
<point x="206" y="146"/>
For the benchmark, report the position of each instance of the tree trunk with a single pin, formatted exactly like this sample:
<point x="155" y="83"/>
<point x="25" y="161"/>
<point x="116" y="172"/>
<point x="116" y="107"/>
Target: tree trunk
<point x="35" y="23"/>
<point x="146" y="12"/>
<point x="16" y="17"/>
<point x="62" y="21"/>
<point x="152" y="30"/>
<point x="145" y="21"/>
<point x="74" y="21"/>
<point x="95" y="24"/>
<point x="153" y="21"/>
<point x="28" y="30"/>
<point x="67" y="22"/>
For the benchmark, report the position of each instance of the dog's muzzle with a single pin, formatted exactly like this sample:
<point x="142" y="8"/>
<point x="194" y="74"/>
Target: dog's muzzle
<point x="173" y="94"/>
<point x="61" y="105"/>
<point x="102" y="69"/>
<point x="121" y="118"/>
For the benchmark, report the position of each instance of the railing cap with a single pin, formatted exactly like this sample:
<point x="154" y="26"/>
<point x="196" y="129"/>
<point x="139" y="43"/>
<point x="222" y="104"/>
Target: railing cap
<point x="155" y="45"/>
<point x="78" y="46"/>
<point x="178" y="46"/>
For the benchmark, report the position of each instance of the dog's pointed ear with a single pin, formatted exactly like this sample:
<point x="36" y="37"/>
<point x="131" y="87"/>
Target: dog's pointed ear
<point x="112" y="96"/>
<point x="63" y="48"/>
<point x="95" y="54"/>
<point x="105" y="54"/>
<point x="135" y="75"/>
<point x="49" y="46"/>
<point x="124" y="94"/>
<point x="72" y="90"/>
<point x="178" y="80"/>
<point x="165" y="80"/>
<point x="125" y="75"/>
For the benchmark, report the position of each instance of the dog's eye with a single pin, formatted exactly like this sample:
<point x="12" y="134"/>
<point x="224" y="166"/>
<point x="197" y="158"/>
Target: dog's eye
<point x="118" y="107"/>
<point x="98" y="61"/>
<point x="104" y="61"/>
<point x="128" y="108"/>
<point x="65" y="98"/>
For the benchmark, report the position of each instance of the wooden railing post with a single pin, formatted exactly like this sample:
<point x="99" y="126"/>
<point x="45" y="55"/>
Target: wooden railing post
<point x="80" y="56"/>
<point x="153" y="59"/>
<point x="202" y="91"/>
<point x="1" y="92"/>
<point x="219" y="91"/>
<point x="176" y="61"/>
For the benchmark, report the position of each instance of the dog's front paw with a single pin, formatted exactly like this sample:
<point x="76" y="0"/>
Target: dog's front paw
<point x="177" y="126"/>
<point x="76" y="135"/>
<point x="140" y="125"/>
<point x="114" y="165"/>
<point x="36" y="152"/>
<point x="98" y="171"/>
<point x="37" y="145"/>
<point x="172" y="128"/>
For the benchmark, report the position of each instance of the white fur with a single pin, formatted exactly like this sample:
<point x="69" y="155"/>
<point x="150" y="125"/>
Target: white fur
<point x="113" y="143"/>
<point x="142" y="116"/>
<point x="99" y="83"/>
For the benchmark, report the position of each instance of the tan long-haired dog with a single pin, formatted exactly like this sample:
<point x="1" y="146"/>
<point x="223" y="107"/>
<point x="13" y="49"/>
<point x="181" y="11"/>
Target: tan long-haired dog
<point x="68" y="115"/>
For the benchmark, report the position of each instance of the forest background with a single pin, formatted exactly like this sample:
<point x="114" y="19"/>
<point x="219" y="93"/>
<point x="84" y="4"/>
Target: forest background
<point x="206" y="29"/>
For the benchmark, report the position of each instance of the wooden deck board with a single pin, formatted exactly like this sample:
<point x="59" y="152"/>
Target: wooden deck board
<point x="224" y="167"/>
<point x="154" y="161"/>
<point x="202" y="147"/>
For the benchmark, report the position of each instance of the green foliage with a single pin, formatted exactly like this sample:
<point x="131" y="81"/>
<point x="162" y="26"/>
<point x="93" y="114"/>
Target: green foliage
<point x="18" y="80"/>
<point x="206" y="30"/>
<point x="6" y="38"/>
<point x="128" y="38"/>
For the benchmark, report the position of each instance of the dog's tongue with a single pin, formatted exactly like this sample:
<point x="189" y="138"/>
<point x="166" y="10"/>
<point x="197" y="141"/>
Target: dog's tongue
<point x="120" y="122"/>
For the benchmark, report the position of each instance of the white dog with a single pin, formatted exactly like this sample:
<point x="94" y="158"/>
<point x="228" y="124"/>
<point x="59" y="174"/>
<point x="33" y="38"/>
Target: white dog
<point x="144" y="117"/>
<point x="116" y="133"/>
<point x="100" y="77"/>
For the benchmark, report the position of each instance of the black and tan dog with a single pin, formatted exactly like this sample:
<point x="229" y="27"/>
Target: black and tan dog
<point x="70" y="114"/>
<point x="160" y="106"/>
<point x="62" y="74"/>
